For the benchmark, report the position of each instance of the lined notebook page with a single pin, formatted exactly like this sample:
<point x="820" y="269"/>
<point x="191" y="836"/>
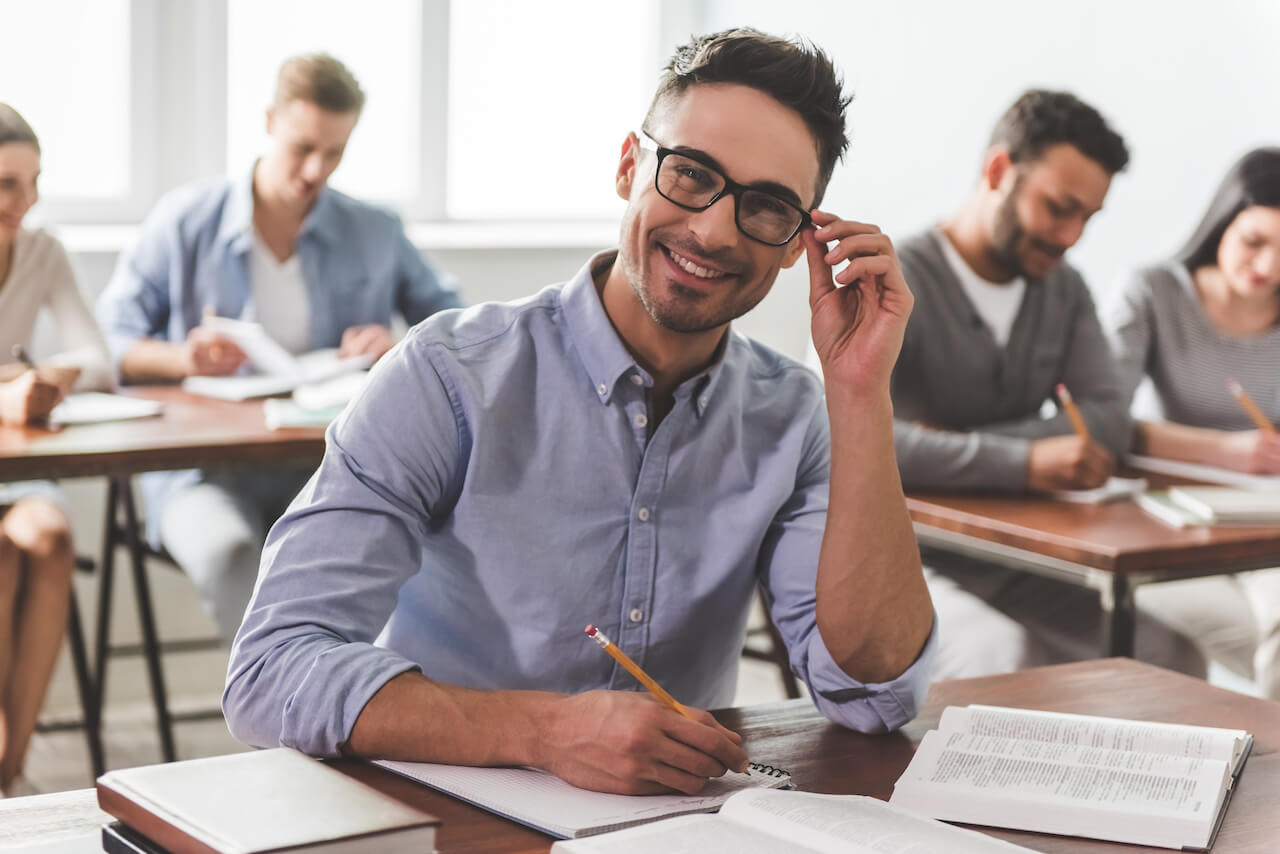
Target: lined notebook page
<point x="547" y="803"/>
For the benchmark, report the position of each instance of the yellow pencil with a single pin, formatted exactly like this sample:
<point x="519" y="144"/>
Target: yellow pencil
<point x="1246" y="403"/>
<point x="1073" y="412"/>
<point x="634" y="669"/>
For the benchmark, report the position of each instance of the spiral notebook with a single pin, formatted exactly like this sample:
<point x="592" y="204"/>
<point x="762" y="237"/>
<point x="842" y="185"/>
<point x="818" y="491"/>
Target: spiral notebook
<point x="549" y="804"/>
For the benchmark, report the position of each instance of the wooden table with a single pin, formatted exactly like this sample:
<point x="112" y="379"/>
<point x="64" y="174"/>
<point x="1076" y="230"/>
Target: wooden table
<point x="1112" y="548"/>
<point x="824" y="757"/>
<point x="192" y="432"/>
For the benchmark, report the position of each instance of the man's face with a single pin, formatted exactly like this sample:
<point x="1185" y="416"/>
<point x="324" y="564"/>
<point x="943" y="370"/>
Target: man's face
<point x="307" y="145"/>
<point x="1045" y="205"/>
<point x="694" y="270"/>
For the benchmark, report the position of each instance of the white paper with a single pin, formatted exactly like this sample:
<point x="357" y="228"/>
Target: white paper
<point x="1206" y="474"/>
<point x="1115" y="489"/>
<point x="91" y="406"/>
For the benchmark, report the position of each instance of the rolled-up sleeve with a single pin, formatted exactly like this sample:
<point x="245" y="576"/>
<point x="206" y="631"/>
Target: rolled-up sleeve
<point x="789" y="567"/>
<point x="304" y="663"/>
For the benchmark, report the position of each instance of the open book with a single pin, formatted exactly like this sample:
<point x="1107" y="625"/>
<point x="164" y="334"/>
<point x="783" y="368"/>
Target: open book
<point x="90" y="407"/>
<point x="277" y="370"/>
<point x="1157" y="784"/>
<point x="547" y="803"/>
<point x="1227" y="504"/>
<point x="772" y="822"/>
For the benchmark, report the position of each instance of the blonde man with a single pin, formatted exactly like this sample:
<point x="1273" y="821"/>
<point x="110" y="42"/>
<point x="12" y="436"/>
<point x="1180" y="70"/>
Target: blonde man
<point x="315" y="267"/>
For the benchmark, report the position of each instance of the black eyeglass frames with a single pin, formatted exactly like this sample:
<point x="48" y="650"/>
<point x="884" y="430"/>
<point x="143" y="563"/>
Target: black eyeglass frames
<point x="695" y="186"/>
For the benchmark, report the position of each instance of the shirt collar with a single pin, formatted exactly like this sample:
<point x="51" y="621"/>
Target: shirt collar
<point x="604" y="356"/>
<point x="236" y="229"/>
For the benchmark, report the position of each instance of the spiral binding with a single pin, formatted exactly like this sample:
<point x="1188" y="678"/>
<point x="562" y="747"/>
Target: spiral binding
<point x="769" y="770"/>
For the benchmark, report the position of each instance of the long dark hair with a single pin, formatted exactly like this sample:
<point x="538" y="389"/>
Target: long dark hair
<point x="1253" y="180"/>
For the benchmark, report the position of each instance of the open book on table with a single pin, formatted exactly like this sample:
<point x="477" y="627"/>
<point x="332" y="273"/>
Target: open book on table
<point x="773" y="822"/>
<point x="1159" y="784"/>
<point x="547" y="803"/>
<point x="277" y="371"/>
<point x="1205" y="474"/>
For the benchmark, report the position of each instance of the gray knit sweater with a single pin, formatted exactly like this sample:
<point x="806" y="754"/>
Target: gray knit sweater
<point x="985" y="400"/>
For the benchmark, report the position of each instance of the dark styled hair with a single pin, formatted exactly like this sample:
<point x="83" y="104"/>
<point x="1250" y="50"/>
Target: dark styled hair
<point x="1253" y="180"/>
<point x="1040" y="119"/>
<point x="321" y="80"/>
<point x="795" y="73"/>
<point x="14" y="128"/>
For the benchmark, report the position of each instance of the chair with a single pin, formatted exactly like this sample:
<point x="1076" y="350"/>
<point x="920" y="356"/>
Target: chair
<point x="774" y="649"/>
<point x="127" y="531"/>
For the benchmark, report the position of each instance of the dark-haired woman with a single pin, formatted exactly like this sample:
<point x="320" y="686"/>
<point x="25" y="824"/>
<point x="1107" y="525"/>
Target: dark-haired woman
<point x="35" y="536"/>
<point x="1192" y="324"/>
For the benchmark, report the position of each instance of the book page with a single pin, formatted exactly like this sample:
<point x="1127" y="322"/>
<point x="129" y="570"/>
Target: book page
<point x="941" y="767"/>
<point x="1090" y="731"/>
<point x="844" y="823"/>
<point x="1073" y="754"/>
<point x="690" y="834"/>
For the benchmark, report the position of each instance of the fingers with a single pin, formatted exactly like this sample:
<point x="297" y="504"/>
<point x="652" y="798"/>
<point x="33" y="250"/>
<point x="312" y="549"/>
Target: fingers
<point x="711" y="742"/>
<point x="820" y="280"/>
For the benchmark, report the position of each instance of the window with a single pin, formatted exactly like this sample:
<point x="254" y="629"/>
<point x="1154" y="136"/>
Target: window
<point x="537" y="114"/>
<point x="73" y="88"/>
<point x="379" y="42"/>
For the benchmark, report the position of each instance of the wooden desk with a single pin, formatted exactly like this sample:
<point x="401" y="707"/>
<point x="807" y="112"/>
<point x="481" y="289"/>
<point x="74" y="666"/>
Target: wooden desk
<point x="193" y="432"/>
<point x="1112" y="548"/>
<point x="824" y="757"/>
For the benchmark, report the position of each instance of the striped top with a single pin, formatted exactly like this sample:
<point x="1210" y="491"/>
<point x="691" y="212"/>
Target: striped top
<point x="1158" y="328"/>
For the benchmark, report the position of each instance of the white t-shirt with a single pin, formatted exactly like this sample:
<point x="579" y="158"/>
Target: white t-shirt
<point x="279" y="298"/>
<point x="997" y="304"/>
<point x="40" y="277"/>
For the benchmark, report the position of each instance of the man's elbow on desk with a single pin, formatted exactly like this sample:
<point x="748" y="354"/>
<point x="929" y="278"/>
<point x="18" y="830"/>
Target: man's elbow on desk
<point x="870" y="706"/>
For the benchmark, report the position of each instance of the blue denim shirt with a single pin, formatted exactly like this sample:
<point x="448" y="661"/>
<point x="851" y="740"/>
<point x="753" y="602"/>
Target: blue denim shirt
<point x="496" y="487"/>
<point x="193" y="251"/>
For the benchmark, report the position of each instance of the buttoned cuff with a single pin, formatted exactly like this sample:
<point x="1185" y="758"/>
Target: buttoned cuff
<point x="868" y="707"/>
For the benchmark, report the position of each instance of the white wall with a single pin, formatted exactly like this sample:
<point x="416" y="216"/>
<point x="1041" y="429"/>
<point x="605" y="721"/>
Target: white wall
<point x="1191" y="84"/>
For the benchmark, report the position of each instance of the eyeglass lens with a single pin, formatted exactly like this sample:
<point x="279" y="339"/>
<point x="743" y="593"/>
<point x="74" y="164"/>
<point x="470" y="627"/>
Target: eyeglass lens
<point x="760" y="215"/>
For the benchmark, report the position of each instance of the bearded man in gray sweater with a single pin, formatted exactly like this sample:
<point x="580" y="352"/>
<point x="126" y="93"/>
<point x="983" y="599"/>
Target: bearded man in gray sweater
<point x="1000" y="320"/>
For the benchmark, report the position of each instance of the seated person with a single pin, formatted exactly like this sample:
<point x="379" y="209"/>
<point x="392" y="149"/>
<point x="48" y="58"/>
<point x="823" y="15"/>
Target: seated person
<point x="315" y="267"/>
<point x="1191" y="324"/>
<point x="36" y="557"/>
<point x="1000" y="321"/>
<point x="609" y="451"/>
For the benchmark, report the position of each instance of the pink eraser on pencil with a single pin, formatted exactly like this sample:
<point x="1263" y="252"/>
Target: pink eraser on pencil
<point x="591" y="630"/>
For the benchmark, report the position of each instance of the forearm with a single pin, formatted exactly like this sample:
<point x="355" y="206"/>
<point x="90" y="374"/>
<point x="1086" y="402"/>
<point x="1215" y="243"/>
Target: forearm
<point x="415" y="719"/>
<point x="1180" y="442"/>
<point x="873" y="607"/>
<point x="149" y="360"/>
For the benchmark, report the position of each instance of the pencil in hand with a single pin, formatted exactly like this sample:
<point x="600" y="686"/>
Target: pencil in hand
<point x="1247" y="404"/>
<point x="1073" y="412"/>
<point x="634" y="669"/>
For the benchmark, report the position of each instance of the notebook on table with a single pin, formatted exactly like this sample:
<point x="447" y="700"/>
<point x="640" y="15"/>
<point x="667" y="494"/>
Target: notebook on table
<point x="547" y="803"/>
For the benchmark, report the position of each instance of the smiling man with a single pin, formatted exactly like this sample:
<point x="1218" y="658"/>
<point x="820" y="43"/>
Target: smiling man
<point x="315" y="267"/>
<point x="609" y="451"/>
<point x="1000" y="321"/>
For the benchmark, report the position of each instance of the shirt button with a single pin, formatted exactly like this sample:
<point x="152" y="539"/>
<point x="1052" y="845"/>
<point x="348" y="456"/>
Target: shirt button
<point x="702" y="402"/>
<point x="636" y="379"/>
<point x="602" y="389"/>
<point x="641" y="420"/>
<point x="636" y="615"/>
<point x="643" y="514"/>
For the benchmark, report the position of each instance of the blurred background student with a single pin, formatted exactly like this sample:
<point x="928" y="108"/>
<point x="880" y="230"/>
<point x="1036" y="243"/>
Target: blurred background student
<point x="36" y="556"/>
<point x="1191" y="324"/>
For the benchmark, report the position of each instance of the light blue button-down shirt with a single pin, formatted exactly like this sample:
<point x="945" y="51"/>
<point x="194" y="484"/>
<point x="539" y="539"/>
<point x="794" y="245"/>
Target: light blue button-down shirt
<point x="497" y="486"/>
<point x="193" y="252"/>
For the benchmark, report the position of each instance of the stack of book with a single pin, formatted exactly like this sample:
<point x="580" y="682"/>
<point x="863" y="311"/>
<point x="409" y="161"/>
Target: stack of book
<point x="255" y="803"/>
